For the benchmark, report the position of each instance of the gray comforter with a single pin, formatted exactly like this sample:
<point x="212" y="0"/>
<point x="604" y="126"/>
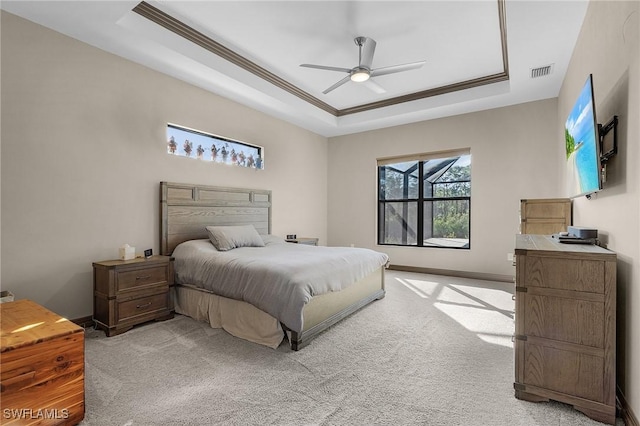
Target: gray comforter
<point x="279" y="278"/>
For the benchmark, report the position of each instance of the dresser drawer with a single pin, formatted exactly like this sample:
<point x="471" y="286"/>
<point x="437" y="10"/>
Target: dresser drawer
<point x="564" y="274"/>
<point x="131" y="309"/>
<point x="127" y="280"/>
<point x="564" y="369"/>
<point x="582" y="320"/>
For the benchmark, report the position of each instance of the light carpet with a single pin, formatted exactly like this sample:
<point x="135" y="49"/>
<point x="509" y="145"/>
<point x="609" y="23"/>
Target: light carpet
<point x="435" y="351"/>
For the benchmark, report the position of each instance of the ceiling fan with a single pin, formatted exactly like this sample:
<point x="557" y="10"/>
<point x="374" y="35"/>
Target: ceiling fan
<point x="363" y="71"/>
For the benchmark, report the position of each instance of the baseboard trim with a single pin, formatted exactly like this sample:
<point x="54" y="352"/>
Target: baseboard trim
<point x="626" y="413"/>
<point x="84" y="322"/>
<point x="452" y="273"/>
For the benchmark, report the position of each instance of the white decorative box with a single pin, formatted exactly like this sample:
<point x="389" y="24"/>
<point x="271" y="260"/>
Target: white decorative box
<point x="127" y="252"/>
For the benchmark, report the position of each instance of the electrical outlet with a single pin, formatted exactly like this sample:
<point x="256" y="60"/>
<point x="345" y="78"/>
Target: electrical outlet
<point x="510" y="257"/>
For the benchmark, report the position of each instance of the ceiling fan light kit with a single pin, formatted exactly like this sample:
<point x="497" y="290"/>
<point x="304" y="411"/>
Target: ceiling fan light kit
<point x="363" y="71"/>
<point x="360" y="75"/>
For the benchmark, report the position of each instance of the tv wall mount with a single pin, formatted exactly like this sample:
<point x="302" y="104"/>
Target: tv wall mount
<point x="608" y="139"/>
<point x="608" y="135"/>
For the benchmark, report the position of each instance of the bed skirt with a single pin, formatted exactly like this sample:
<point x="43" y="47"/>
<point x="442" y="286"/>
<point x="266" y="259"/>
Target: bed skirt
<point x="245" y="321"/>
<point x="236" y="317"/>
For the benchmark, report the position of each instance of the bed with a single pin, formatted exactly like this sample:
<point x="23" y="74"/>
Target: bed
<point x="186" y="213"/>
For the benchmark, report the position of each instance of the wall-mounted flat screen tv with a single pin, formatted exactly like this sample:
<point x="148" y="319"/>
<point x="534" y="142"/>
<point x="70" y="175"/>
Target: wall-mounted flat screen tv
<point x="582" y="145"/>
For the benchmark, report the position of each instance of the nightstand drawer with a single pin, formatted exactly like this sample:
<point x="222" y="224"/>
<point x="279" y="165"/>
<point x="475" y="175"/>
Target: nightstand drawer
<point x="142" y="306"/>
<point x="127" y="280"/>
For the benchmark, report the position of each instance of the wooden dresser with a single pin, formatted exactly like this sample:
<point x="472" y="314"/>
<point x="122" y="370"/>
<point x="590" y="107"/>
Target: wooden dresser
<point x="41" y="366"/>
<point x="130" y="292"/>
<point x="565" y="324"/>
<point x="545" y="216"/>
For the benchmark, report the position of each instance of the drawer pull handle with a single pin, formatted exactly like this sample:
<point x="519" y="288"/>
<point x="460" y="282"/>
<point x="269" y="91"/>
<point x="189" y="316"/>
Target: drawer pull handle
<point x="143" y="306"/>
<point x="17" y="379"/>
<point x="146" y="277"/>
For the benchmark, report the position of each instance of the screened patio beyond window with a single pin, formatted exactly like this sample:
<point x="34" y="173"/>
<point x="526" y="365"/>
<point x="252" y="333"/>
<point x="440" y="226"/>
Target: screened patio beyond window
<point x="425" y="202"/>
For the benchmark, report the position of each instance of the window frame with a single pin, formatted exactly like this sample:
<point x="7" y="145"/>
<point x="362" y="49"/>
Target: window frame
<point x="420" y="200"/>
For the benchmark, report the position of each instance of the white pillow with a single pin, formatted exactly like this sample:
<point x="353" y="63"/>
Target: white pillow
<point x="272" y="239"/>
<point x="229" y="237"/>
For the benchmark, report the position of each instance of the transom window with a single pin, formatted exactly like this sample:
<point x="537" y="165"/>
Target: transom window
<point x="425" y="201"/>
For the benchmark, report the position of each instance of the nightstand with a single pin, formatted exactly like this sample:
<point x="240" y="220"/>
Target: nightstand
<point x="42" y="366"/>
<point x="130" y="292"/>
<point x="303" y="240"/>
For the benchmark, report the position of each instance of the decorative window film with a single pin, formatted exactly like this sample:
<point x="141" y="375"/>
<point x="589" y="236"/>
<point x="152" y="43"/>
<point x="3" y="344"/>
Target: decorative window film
<point x="207" y="147"/>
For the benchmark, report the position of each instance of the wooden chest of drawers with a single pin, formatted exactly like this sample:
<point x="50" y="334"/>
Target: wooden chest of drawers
<point x="565" y="346"/>
<point x="130" y="292"/>
<point x="41" y="366"/>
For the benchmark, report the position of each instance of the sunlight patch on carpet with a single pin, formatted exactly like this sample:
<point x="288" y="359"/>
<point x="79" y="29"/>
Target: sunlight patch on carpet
<point x="484" y="311"/>
<point x="422" y="288"/>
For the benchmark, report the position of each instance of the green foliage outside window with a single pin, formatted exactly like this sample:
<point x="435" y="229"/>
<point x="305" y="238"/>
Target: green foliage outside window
<point x="451" y="226"/>
<point x="451" y="219"/>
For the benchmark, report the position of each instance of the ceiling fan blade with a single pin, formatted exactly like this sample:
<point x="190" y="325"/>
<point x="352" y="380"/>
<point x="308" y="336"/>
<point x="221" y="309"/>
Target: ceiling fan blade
<point x="397" y="68"/>
<point x="368" y="49"/>
<point x="338" y="84"/>
<point x="374" y="87"/>
<point x="323" y="67"/>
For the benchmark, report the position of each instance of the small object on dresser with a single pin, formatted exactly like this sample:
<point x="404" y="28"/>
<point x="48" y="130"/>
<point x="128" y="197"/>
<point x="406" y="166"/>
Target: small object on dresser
<point x="127" y="252"/>
<point x="583" y="232"/>
<point x="291" y="236"/>
<point x="6" y="296"/>
<point x="148" y="253"/>
<point x="577" y="235"/>
<point x="304" y="240"/>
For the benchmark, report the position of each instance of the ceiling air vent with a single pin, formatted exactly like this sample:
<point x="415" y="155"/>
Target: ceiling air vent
<point x="541" y="71"/>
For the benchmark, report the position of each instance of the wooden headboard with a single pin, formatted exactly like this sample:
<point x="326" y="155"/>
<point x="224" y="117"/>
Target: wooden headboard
<point x="185" y="211"/>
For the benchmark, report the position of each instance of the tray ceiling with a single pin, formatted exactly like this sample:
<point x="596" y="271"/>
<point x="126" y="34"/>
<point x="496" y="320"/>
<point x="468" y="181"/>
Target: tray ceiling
<point x="479" y="54"/>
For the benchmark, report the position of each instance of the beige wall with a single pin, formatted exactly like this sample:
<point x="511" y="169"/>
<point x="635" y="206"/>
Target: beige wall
<point x="513" y="153"/>
<point x="608" y="47"/>
<point x="84" y="150"/>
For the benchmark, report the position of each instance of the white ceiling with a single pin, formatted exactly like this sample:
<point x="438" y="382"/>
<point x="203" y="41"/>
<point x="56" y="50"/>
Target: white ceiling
<point x="459" y="40"/>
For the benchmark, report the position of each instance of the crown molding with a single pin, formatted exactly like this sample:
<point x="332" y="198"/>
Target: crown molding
<point x="183" y="30"/>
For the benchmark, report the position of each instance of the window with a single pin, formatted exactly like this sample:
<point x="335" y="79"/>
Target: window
<point x="425" y="200"/>
<point x="192" y="143"/>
